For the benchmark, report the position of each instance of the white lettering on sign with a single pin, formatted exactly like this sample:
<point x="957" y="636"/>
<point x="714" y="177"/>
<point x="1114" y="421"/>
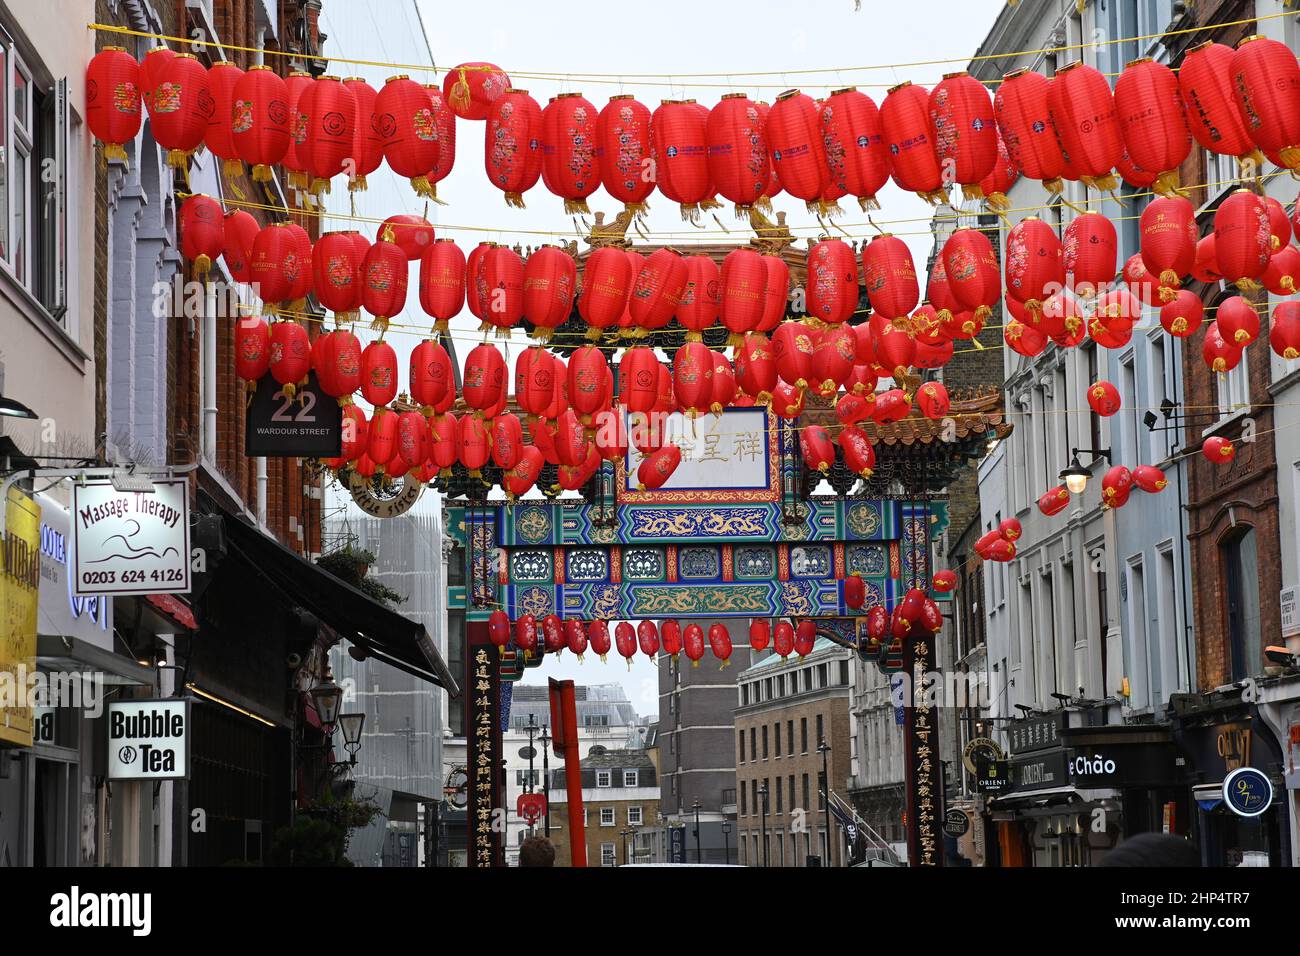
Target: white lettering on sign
<point x="1095" y="765"/>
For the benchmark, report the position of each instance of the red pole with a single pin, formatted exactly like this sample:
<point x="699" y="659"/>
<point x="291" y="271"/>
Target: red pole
<point x="564" y="720"/>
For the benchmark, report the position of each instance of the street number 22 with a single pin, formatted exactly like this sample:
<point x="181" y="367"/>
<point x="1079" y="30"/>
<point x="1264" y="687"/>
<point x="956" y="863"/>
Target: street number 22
<point x="304" y="413"/>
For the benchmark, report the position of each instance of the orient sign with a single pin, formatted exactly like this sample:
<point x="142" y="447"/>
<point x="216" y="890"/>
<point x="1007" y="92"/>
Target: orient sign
<point x="131" y="542"/>
<point x="148" y="739"/>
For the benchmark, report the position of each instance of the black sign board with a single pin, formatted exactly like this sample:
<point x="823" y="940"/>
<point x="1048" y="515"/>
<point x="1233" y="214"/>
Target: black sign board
<point x="309" y="425"/>
<point x="956" y="823"/>
<point x="1036" y="733"/>
<point x="992" y="776"/>
<point x="921" y="763"/>
<point x="1039" y="771"/>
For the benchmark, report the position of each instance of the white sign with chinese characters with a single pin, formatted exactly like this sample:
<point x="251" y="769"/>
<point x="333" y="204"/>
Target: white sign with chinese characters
<point x="727" y="452"/>
<point x="131" y="542"/>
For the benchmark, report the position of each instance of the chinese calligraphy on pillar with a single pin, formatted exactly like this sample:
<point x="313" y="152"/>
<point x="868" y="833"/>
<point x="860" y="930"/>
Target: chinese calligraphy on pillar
<point x="482" y="690"/>
<point x="921" y="750"/>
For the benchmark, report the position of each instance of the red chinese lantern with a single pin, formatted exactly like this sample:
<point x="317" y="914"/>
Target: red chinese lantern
<point x="526" y="634"/>
<point x="787" y="401"/>
<point x="795" y="140"/>
<point x="276" y="264"/>
<point x="693" y="643"/>
<point x="445" y="431"/>
<point x="890" y="277"/>
<point x="513" y="149"/>
<point x="339" y="366"/>
<point x="430" y="374"/>
<point x="805" y="636"/>
<point x="570" y="439"/>
<point x="445" y="126"/>
<point x="693" y="378"/>
<point x="1152" y="120"/>
<point x="586" y="380"/>
<point x="337" y="259"/>
<point x="739" y="167"/>
<point x="569" y="168"/>
<point x="818" y="450"/>
<point x="972" y="270"/>
<point x="259" y="121"/>
<point x="535" y="384"/>
<point x="356" y="432"/>
<point x="944" y="581"/>
<point x="471" y="88"/>
<point x="1182" y="315"/>
<point x="503" y="277"/>
<point x="299" y="85"/>
<point x="485" y="377"/>
<point x="606" y="284"/>
<point x="239" y="232"/>
<point x="203" y="233"/>
<point x="1104" y="399"/>
<point x="290" y="356"/>
<point x="679" y="143"/>
<point x="744" y="282"/>
<point x="520" y="479"/>
<point x="1205" y="82"/>
<point x="1087" y="123"/>
<point x="639" y="379"/>
<point x="783" y="639"/>
<point x="792" y="349"/>
<point x="1218" y="450"/>
<point x="1141" y="281"/>
<point x="855" y="147"/>
<point x="1035" y="263"/>
<point x="442" y="282"/>
<point x="414" y="441"/>
<point x="1221" y="355"/>
<point x="404" y="113"/>
<point x="1266" y="78"/>
<point x="657" y="291"/>
<point x="378" y="373"/>
<point x="932" y="399"/>
<point x="1243" y="238"/>
<point x="180" y="107"/>
<point x="909" y="136"/>
<point x="1284" y="334"/>
<point x="720" y="643"/>
<point x="724" y="384"/>
<point x="701" y="298"/>
<point x="1150" y="479"/>
<point x="776" y="292"/>
<point x="499" y="628"/>
<point x="657" y="467"/>
<point x="756" y="367"/>
<point x="623" y="152"/>
<point x="412" y="234"/>
<point x="1237" y="321"/>
<point x="760" y="634"/>
<point x="1024" y="119"/>
<point x="832" y="285"/>
<point x="1027" y="340"/>
<point x="1206" y="267"/>
<point x="598" y="636"/>
<point x="1116" y="485"/>
<point x="1054" y="501"/>
<point x="367" y="142"/>
<point x="552" y="634"/>
<point x="252" y="349"/>
<point x="1112" y="322"/>
<point x="938" y="291"/>
<point x="670" y="636"/>
<point x="331" y="117"/>
<point x="855" y="591"/>
<point x="384" y="274"/>
<point x="575" y="638"/>
<point x="1169" y="237"/>
<point x="113" y="99"/>
<point x="474" y="449"/>
<point x="1000" y="179"/>
<point x="965" y="134"/>
<point x="151" y="68"/>
<point x="893" y="346"/>
<point x="890" y="407"/>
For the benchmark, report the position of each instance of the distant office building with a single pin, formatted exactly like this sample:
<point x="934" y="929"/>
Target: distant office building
<point x="620" y="795"/>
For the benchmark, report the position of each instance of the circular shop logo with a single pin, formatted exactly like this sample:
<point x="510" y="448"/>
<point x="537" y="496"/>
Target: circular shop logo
<point x="1247" y="792"/>
<point x="126" y="754"/>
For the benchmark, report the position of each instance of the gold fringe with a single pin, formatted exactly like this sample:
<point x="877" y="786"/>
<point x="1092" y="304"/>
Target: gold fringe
<point x="972" y="191"/>
<point x="1168" y="277"/>
<point x="1167" y="294"/>
<point x="262" y="173"/>
<point x="114" y="151"/>
<point x="461" y="97"/>
<point x="1242" y="337"/>
<point x="422" y="186"/>
<point x="380" y="323"/>
<point x="576" y="207"/>
<point x="711" y="203"/>
<point x="997" y="202"/>
<point x="690" y="213"/>
<point x="515" y="200"/>
<point x="1167" y="184"/>
<point x="868" y="203"/>
<point x="202" y="263"/>
<point x="1290" y="156"/>
<point x="357" y="183"/>
<point x="1245" y="284"/>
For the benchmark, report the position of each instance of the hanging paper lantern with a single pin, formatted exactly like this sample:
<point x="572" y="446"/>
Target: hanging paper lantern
<point x="855" y="591"/>
<point x="1218" y="450"/>
<point x="795" y="140"/>
<point x="606" y="284"/>
<point x="430" y="374"/>
<point x="384" y="274"/>
<point x="412" y="234"/>
<point x="890" y="277"/>
<point x="693" y="643"/>
<point x="1054" y="501"/>
<point x="670" y="637"/>
<point x="356" y="432"/>
<point x="203" y="233"/>
<point x="1237" y="321"/>
<point x="776" y="292"/>
<point x="331" y="119"/>
<point x="113" y="99"/>
<point x="526" y="634"/>
<point x="552" y="634"/>
<point x="1150" y="479"/>
<point x="724" y="384"/>
<point x="1000" y="179"/>
<point x="499" y="628"/>
<point x="657" y="467"/>
<point x="832" y="285"/>
<point x="965" y="134"/>
<point x="625" y="641"/>
<point x="623" y="152"/>
<point x="474" y="449"/>
<point x="1112" y="322"/>
<point x="1183" y="314"/>
<point x="909" y="136"/>
<point x="818" y="450"/>
<point x="893" y="346"/>
<point x="787" y="401"/>
<point x="1243" y="238"/>
<point x="1206" y="267"/>
<point x="476" y="289"/>
<point x="932" y="399"/>
<point x="1135" y="175"/>
<point x="1142" y="282"/>
<point x="569" y="168"/>
<point x="238" y="234"/>
<point x="783" y="639"/>
<point x="444" y="429"/>
<point x="535" y="371"/>
<point x="151" y="71"/>
<point x="414" y="441"/>
<point x="290" y="356"/>
<point x="485" y="377"/>
<point x="550" y="278"/>
<point x="378" y="373"/>
<point x="853" y="138"/>
<point x="693" y="378"/>
<point x="657" y="291"/>
<point x="404" y="113"/>
<point x="890" y="407"/>
<point x="513" y="146"/>
<point x="1024" y="339"/>
<point x="1115" y="486"/>
<point x="1169" y="236"/>
<point x="520" y="479"/>
<point x="1283" y="269"/>
<point x="1104" y="399"/>
<point x="1087" y="123"/>
<point x="1024" y="119"/>
<point x="805" y="636"/>
<point x="575" y="638"/>
<point x="701" y="297"/>
<point x="299" y="85"/>
<point x="1035" y="263"/>
<point x="442" y="282"/>
<point x="739" y="167"/>
<point x="1221" y="354"/>
<point x="503" y="277"/>
<point x="744" y="281"/>
<point x="180" y="107"/>
<point x="679" y="143"/>
<point x="586" y="378"/>
<point x="944" y="581"/>
<point x="259" y="122"/>
<point x="367" y="141"/>
<point x="792" y="349"/>
<point x="339" y="367"/>
<point x="507" y="441"/>
<point x="760" y="634"/>
<point x="471" y="89"/>
<point x="1206" y="84"/>
<point x="337" y="259"/>
<point x="1284" y="334"/>
<point x="720" y="642"/>
<point x="1266" y="78"/>
<point x="598" y="637"/>
<point x="972" y="269"/>
<point x="1152" y="120"/>
<point x="756" y="367"/>
<point x="639" y="379"/>
<point x="276" y="263"/>
<point x="252" y="349"/>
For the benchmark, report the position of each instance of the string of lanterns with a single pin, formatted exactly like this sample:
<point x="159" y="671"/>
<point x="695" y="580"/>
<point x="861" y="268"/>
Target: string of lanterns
<point x="1243" y="103"/>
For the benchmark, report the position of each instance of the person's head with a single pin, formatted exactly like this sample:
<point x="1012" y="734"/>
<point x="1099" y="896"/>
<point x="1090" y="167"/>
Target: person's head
<point x="537" y="851"/>
<point x="1153" y="849"/>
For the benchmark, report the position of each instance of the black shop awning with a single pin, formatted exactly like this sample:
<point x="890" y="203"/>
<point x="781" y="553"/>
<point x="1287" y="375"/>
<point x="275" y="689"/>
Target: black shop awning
<point x="378" y="630"/>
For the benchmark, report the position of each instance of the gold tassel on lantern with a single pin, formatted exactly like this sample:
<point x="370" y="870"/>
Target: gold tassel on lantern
<point x="576" y="207"/>
<point x="262" y="173"/>
<point x="460" y="95"/>
<point x="515" y="200"/>
<point x="202" y="263"/>
<point x="868" y="203"/>
<point x="1248" y="285"/>
<point x="357" y="183"/>
<point x="972" y="192"/>
<point x="114" y="151"/>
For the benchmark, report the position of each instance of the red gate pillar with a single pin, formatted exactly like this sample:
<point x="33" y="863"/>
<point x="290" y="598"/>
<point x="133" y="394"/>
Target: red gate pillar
<point x="564" y="736"/>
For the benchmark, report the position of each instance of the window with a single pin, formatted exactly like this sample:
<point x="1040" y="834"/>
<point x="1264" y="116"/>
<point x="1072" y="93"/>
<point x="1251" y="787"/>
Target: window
<point x="1241" y="569"/>
<point x="603" y="778"/>
<point x="740" y="745"/>
<point x="776" y="739"/>
<point x="791" y="784"/>
<point x="528" y="778"/>
<point x="630" y="778"/>
<point x="1233" y="388"/>
<point x="595" y="720"/>
<point x="822" y="677"/>
<point x="607" y="857"/>
<point x="606" y="816"/>
<point x="765" y="741"/>
<point x="820" y="735"/>
<point x="753" y="789"/>
<point x="634" y="816"/>
<point x="789" y="736"/>
<point x="803" y="734"/>
<point x="753" y="748"/>
<point x="744" y="794"/>
<point x="779" y="803"/>
<point x="805" y="792"/>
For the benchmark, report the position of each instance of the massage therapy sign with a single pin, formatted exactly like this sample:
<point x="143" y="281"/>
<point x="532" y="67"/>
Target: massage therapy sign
<point x="131" y="542"/>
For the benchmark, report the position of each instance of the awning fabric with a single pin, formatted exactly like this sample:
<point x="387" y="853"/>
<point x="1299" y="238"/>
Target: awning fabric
<point x="379" y="630"/>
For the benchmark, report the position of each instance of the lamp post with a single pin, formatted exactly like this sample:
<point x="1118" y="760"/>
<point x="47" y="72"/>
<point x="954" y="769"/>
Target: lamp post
<point x="762" y="792"/>
<point x="726" y="841"/>
<point x="624" y="834"/>
<point x="824" y="748"/>
<point x="696" y="807"/>
<point x="545" y="741"/>
<point x="1075" y="475"/>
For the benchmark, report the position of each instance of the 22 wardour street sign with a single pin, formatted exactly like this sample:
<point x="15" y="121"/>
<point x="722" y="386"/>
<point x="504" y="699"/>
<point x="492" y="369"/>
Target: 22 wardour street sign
<point x="131" y="542"/>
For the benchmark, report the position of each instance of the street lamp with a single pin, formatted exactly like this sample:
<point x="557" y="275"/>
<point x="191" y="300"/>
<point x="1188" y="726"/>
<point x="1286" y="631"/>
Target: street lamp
<point x="762" y="792"/>
<point x="726" y="841"/>
<point x="351" y="725"/>
<point x="327" y="696"/>
<point x="1075" y="475"/>
<point x="696" y="807"/>
<point x="824" y="748"/>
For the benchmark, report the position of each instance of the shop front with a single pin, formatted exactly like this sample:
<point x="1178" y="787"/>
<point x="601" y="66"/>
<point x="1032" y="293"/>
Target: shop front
<point x="1222" y="734"/>
<point x="1279" y="705"/>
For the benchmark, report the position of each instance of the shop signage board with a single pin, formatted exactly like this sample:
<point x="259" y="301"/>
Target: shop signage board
<point x="1247" y="792"/>
<point x="991" y="776"/>
<point x="956" y="823"/>
<point x="1036" y="733"/>
<point x="149" y="739"/>
<point x="131" y="542"/>
<point x="20" y="578"/>
<point x="63" y="612"/>
<point x="309" y="425"/>
<point x="921" y="762"/>
<point x="1290" y="612"/>
<point x="1039" y="771"/>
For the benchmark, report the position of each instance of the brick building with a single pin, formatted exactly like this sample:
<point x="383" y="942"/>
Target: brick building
<point x="786" y="709"/>
<point x="620" y="794"/>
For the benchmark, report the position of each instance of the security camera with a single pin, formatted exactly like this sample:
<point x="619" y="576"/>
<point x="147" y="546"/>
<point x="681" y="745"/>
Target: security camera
<point x="1279" y="655"/>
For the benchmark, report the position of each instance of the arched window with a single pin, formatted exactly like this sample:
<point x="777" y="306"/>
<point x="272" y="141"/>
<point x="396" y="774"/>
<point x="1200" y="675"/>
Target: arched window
<point x="1240" y="562"/>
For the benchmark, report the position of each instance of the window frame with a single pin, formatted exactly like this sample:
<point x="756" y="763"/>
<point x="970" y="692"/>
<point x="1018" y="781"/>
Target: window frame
<point x="640" y="816"/>
<point x="607" y="776"/>
<point x="635" y="775"/>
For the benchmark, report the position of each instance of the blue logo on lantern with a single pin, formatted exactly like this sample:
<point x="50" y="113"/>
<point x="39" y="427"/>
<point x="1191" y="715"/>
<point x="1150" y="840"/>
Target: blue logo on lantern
<point x="776" y="154"/>
<point x="862" y="142"/>
<point x="671" y="151"/>
<point x="977" y="124"/>
<point x="1038" y="126"/>
<point x="1247" y="792"/>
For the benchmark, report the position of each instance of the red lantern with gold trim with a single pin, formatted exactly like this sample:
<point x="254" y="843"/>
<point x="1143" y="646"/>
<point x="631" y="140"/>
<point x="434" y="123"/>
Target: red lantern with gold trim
<point x="832" y="285"/>
<point x="290" y="356"/>
<point x="893" y="346"/>
<point x="834" y="352"/>
<point x="783" y="639"/>
<point x="474" y="449"/>
<point x="1266" y="78"/>
<point x="1000" y="179"/>
<point x="367" y="142"/>
<point x="606" y="284"/>
<point x="859" y="453"/>
<point x="720" y="643"/>
<point x="792" y="349"/>
<point x="442" y="282"/>
<point x="384" y="275"/>
<point x="1089" y="253"/>
<point x="818" y="450"/>
<point x="331" y="117"/>
<point x="485" y="377"/>
<point x="1035" y="264"/>
<point x="1220" y="353"/>
<point x="623" y="152"/>
<point x="113" y="99"/>
<point x="1104" y="398"/>
<point x="1284" y="333"/>
<point x="856" y="154"/>
<point x="470" y="89"/>
<point x="569" y="167"/>
<point x="798" y="149"/>
<point x="180" y="107"/>
<point x="965" y="134"/>
<point x="1150" y="479"/>
<point x="1218" y="450"/>
<point x="1215" y="120"/>
<point x="1183" y="314"/>
<point x="339" y="364"/>
<point x="378" y="373"/>
<point x="657" y="467"/>
<point x="430" y="374"/>
<point x="657" y="291"/>
<point x="503" y="276"/>
<point x="932" y="399"/>
<point x="252" y="348"/>
<point x="1152" y="120"/>
<point x="701" y="299"/>
<point x="944" y="581"/>
<point x="972" y="270"/>
<point x="1054" y="501"/>
<point x="1025" y="122"/>
<point x="550" y="279"/>
<point x="693" y="378"/>
<point x="760" y="634"/>
<point x="909" y="136"/>
<point x="889" y="275"/>
<point x="337" y="259"/>
<point x="776" y="292"/>
<point x="1087" y="123"/>
<point x="739" y="167"/>
<point x="513" y="148"/>
<point x="239" y="232"/>
<point x="1237" y="321"/>
<point x="744" y="282"/>
<point x="404" y="113"/>
<point x="1169" y="237"/>
<point x="1113" y="319"/>
<point x="679" y="144"/>
<point x="1243" y="239"/>
<point x="203" y="232"/>
<point x="259" y="120"/>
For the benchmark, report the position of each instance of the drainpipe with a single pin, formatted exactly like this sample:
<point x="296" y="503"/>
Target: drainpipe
<point x="258" y="58"/>
<point x="209" y="372"/>
<point x="261" y="491"/>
